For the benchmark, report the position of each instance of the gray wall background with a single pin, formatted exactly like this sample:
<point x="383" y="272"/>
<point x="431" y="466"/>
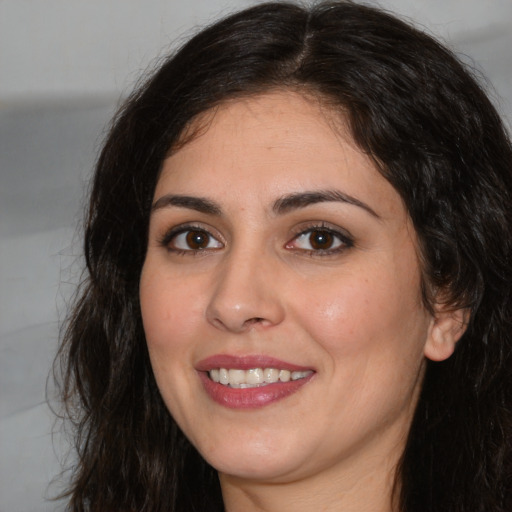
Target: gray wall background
<point x="64" y="64"/>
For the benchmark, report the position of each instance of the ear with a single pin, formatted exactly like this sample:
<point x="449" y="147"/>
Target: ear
<point x="446" y="328"/>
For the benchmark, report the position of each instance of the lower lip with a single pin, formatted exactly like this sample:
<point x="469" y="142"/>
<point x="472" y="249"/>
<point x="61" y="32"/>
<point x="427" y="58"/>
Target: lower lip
<point x="250" y="398"/>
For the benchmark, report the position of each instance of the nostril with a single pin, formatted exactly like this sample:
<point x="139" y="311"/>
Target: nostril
<point x="255" y="320"/>
<point x="217" y="322"/>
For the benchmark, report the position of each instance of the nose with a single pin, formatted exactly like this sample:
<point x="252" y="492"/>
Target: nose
<point x="246" y="293"/>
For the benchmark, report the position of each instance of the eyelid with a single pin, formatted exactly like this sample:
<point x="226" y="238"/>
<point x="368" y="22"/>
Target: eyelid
<point x="175" y="231"/>
<point x="346" y="239"/>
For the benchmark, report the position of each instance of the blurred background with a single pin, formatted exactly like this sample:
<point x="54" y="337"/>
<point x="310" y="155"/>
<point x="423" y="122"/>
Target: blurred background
<point x="64" y="67"/>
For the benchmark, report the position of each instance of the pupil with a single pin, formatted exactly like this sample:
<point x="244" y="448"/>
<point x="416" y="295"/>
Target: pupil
<point x="197" y="240"/>
<point x="321" y="239"/>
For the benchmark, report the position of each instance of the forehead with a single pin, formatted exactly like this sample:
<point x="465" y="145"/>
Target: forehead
<point x="273" y="144"/>
<point x="280" y="112"/>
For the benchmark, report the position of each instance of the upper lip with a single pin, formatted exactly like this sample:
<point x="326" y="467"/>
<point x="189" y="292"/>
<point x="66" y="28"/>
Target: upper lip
<point x="246" y="362"/>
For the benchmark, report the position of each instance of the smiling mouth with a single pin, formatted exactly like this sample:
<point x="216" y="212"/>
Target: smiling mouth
<point x="254" y="377"/>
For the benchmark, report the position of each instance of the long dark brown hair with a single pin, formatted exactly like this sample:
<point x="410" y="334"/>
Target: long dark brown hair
<point x="434" y="136"/>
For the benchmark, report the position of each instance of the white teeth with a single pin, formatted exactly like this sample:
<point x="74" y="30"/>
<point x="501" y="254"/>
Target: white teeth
<point x="254" y="377"/>
<point x="299" y="375"/>
<point x="270" y="375"/>
<point x="223" y="376"/>
<point x="284" y="375"/>
<point x="236" y="377"/>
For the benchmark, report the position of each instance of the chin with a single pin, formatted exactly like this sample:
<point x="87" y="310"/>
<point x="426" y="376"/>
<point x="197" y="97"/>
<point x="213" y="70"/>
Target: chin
<point x="255" y="460"/>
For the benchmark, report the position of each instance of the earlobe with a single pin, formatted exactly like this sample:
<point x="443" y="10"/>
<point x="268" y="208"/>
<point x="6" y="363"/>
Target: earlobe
<point x="446" y="329"/>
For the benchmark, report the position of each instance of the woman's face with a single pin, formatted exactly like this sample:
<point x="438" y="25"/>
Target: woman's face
<point x="281" y="263"/>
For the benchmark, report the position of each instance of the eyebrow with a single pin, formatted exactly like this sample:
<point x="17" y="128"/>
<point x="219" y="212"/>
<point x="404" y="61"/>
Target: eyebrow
<point x="199" y="204"/>
<point x="281" y="206"/>
<point x="302" y="199"/>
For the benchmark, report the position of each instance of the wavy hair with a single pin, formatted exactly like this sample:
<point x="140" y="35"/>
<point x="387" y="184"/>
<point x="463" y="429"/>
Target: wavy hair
<point x="432" y="133"/>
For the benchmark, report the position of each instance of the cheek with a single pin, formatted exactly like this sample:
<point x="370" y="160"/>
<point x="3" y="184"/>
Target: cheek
<point x="379" y="313"/>
<point x="168" y="310"/>
<point x="373" y="334"/>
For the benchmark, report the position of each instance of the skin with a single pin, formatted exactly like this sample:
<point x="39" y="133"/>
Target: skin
<point x="354" y="315"/>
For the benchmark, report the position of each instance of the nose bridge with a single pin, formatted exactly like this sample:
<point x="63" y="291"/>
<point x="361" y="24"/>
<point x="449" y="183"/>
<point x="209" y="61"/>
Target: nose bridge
<point x="245" y="291"/>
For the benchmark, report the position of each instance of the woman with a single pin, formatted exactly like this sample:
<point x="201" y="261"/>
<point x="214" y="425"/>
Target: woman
<point x="298" y="292"/>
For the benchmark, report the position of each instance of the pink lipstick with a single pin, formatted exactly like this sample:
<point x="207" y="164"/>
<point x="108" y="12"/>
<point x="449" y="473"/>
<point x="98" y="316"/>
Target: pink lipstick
<point x="247" y="382"/>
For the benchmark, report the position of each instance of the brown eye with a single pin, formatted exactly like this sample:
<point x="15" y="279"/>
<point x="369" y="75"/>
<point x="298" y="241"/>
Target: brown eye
<point x="191" y="240"/>
<point x="321" y="240"/>
<point x="197" y="240"/>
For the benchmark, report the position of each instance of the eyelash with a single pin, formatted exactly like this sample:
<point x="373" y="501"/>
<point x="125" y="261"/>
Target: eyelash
<point x="173" y="233"/>
<point x="345" y="241"/>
